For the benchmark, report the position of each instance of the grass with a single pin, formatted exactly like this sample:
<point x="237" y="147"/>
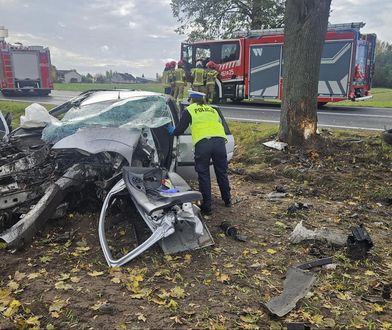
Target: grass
<point x="382" y="98"/>
<point x="250" y="156"/>
<point x="80" y="87"/>
<point x="17" y="109"/>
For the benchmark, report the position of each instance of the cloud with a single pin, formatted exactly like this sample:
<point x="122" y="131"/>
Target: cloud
<point x="104" y="48"/>
<point x="132" y="24"/>
<point x="133" y="36"/>
<point x="375" y="13"/>
<point x="124" y="9"/>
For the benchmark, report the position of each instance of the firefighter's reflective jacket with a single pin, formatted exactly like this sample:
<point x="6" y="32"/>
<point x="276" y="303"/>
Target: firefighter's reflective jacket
<point x="211" y="75"/>
<point x="166" y="78"/>
<point x="179" y="76"/>
<point x="198" y="75"/>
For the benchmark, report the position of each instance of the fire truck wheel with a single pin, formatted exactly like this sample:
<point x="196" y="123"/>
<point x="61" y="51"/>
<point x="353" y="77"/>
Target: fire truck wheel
<point x="237" y="100"/>
<point x="321" y="104"/>
<point x="43" y="93"/>
<point x="7" y="93"/>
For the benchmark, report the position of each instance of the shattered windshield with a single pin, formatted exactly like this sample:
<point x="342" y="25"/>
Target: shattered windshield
<point x="137" y="112"/>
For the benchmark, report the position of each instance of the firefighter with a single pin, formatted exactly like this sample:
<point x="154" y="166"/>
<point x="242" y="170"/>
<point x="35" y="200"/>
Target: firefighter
<point x="166" y="79"/>
<point x="358" y="75"/>
<point x="209" y="139"/>
<point x="211" y="75"/>
<point x="179" y="81"/>
<point x="172" y="76"/>
<point x="198" y="77"/>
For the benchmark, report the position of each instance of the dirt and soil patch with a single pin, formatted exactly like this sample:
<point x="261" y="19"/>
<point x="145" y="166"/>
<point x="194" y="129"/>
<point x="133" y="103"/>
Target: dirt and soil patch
<point x="61" y="280"/>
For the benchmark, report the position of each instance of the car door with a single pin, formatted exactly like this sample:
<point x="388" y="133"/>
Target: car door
<point x="185" y="164"/>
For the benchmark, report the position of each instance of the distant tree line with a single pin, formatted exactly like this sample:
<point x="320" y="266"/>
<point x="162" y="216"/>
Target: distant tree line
<point x="383" y="67"/>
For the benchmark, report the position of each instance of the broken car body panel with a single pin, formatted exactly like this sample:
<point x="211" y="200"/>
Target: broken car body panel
<point x="103" y="139"/>
<point x="171" y="217"/>
<point x="4" y="129"/>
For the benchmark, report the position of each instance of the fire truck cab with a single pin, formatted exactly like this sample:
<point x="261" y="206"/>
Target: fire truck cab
<point x="250" y="65"/>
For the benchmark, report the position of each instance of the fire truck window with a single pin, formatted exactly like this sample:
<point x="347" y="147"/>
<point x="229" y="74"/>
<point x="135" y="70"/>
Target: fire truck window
<point x="203" y="54"/>
<point x="187" y="53"/>
<point x="229" y="52"/>
<point x="361" y="55"/>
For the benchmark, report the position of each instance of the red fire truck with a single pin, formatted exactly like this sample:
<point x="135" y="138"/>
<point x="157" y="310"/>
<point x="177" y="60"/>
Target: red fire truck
<point x="251" y="64"/>
<point x="24" y="69"/>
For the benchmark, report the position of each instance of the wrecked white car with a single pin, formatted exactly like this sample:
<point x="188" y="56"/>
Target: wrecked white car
<point x="108" y="144"/>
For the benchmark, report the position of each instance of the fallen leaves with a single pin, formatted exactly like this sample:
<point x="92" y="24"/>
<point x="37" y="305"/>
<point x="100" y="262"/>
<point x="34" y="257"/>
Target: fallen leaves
<point x="95" y="273"/>
<point x="222" y="278"/>
<point x="98" y="305"/>
<point x="45" y="259"/>
<point x="12" y="285"/>
<point x="271" y="251"/>
<point x="32" y="276"/>
<point x="115" y="280"/>
<point x="61" y="285"/>
<point x="56" y="307"/>
<point x="177" y="292"/>
<point x="13" y="307"/>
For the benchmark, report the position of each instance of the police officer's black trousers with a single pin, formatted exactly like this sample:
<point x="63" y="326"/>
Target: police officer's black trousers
<point x="205" y="150"/>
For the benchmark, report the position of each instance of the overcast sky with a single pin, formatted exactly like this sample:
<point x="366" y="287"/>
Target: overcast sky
<point x="134" y="36"/>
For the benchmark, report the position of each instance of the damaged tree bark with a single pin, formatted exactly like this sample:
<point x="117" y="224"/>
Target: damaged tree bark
<point x="306" y="23"/>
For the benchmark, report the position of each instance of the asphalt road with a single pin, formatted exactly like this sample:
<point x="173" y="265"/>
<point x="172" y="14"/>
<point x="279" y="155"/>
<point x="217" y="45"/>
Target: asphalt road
<point x="348" y="117"/>
<point x="356" y="118"/>
<point x="55" y="97"/>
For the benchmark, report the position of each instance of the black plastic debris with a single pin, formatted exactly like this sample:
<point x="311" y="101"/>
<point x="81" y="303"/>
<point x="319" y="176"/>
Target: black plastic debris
<point x="298" y="206"/>
<point x="297" y="326"/>
<point x="358" y="243"/>
<point x="232" y="231"/>
<point x="280" y="189"/>
<point x="315" y="263"/>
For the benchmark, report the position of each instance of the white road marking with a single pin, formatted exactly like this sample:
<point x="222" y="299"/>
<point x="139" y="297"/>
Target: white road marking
<point x="319" y="125"/>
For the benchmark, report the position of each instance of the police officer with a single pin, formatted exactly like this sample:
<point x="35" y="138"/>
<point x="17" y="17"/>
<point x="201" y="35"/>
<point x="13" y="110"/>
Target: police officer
<point x="179" y="81"/>
<point x="209" y="139"/>
<point x="198" y="77"/>
<point x="211" y="75"/>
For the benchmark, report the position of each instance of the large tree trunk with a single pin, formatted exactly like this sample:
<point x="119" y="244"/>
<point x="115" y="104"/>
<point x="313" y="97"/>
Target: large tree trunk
<point x="306" y="23"/>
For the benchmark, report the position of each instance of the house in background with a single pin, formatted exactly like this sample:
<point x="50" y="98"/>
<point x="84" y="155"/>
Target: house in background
<point x="142" y="80"/>
<point x="123" y="78"/>
<point x="68" y="76"/>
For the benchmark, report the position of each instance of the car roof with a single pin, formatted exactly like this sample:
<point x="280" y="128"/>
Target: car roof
<point x="117" y="94"/>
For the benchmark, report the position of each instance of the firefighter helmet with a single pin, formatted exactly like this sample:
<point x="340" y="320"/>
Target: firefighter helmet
<point x="167" y="65"/>
<point x="173" y="64"/>
<point x="211" y="65"/>
<point x="180" y="63"/>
